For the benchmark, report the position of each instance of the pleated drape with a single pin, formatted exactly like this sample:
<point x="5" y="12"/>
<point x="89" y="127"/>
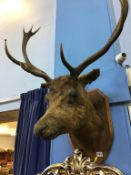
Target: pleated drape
<point x="31" y="154"/>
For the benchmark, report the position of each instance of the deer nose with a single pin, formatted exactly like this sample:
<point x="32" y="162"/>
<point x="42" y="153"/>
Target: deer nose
<point x="38" y="130"/>
<point x="47" y="127"/>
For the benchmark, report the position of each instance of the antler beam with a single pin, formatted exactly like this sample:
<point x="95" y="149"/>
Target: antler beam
<point x="27" y="66"/>
<point x="75" y="71"/>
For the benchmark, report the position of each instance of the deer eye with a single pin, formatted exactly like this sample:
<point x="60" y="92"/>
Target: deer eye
<point x="52" y="90"/>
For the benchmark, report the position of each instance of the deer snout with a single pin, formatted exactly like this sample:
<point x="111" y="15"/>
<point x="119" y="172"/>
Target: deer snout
<point x="47" y="128"/>
<point x="39" y="130"/>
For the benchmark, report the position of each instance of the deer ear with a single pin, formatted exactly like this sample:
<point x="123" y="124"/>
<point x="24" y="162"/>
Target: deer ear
<point x="44" y="85"/>
<point x="89" y="77"/>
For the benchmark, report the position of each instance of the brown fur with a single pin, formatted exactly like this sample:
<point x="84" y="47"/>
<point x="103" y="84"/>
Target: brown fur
<point x="75" y="111"/>
<point x="84" y="115"/>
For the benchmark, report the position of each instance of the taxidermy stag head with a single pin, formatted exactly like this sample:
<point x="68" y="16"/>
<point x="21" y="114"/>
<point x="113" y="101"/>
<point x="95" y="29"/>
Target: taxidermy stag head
<point x="71" y="109"/>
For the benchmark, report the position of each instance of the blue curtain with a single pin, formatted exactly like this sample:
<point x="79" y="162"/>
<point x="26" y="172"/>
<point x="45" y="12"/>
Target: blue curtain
<point x="31" y="154"/>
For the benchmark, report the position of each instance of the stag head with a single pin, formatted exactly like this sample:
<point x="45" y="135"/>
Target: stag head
<point x="71" y="108"/>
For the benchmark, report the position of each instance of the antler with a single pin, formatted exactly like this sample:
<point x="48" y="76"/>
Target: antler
<point x="75" y="71"/>
<point x="27" y="66"/>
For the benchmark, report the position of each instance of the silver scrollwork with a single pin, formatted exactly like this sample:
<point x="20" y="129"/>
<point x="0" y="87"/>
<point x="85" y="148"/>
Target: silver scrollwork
<point x="80" y="165"/>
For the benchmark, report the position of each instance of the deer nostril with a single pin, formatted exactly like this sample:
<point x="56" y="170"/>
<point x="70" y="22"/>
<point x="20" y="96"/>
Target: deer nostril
<point x="38" y="131"/>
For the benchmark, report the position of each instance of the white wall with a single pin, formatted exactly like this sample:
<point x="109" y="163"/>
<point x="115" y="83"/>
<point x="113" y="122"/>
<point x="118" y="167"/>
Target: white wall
<point x="13" y="80"/>
<point x="7" y="142"/>
<point x="125" y="38"/>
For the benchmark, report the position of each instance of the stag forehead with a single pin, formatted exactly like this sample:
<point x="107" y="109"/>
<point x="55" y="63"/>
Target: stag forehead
<point x="64" y="81"/>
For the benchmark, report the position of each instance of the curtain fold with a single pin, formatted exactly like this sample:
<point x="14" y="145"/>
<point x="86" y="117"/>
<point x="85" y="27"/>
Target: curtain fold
<point x="31" y="154"/>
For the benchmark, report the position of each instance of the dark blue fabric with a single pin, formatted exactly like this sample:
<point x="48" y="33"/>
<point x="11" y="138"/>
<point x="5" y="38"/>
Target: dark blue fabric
<point x="31" y="154"/>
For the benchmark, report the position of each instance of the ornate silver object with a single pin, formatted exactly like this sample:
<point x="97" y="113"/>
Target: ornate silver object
<point x="80" y="165"/>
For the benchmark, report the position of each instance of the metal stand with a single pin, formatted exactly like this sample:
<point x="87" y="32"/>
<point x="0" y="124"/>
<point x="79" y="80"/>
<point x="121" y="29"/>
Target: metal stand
<point x="80" y="165"/>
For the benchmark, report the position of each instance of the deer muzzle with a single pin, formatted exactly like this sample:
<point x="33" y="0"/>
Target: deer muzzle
<point x="48" y="127"/>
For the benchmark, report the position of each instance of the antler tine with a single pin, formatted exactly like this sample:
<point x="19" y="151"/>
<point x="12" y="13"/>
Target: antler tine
<point x="36" y="71"/>
<point x="10" y="56"/>
<point x="26" y="37"/>
<point x="117" y="31"/>
<point x="67" y="65"/>
<point x="27" y="66"/>
<point x="75" y="71"/>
